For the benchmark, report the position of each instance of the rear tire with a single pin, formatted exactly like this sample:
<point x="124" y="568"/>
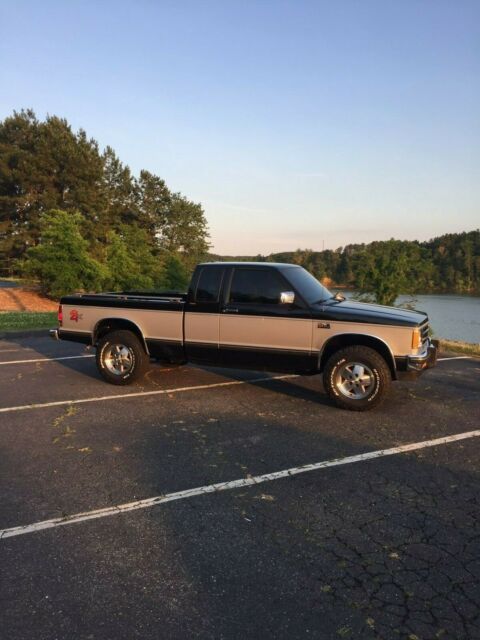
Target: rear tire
<point x="121" y="358"/>
<point x="357" y="378"/>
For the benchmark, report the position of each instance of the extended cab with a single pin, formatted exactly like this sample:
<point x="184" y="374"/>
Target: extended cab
<point x="262" y="316"/>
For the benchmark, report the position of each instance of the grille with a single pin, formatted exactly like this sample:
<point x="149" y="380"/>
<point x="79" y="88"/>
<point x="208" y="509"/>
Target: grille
<point x="424" y="331"/>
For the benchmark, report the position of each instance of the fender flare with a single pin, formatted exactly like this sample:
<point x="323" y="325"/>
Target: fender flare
<point x="121" y="321"/>
<point x="368" y="336"/>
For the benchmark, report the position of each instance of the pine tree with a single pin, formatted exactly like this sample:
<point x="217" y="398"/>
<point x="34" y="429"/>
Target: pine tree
<point x="120" y="192"/>
<point x="178" y="223"/>
<point x="43" y="166"/>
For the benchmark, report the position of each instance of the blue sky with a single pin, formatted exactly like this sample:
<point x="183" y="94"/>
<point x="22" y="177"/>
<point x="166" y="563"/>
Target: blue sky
<point x="296" y="124"/>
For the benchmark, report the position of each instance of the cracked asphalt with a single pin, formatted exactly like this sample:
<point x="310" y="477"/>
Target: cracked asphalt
<point x="380" y="549"/>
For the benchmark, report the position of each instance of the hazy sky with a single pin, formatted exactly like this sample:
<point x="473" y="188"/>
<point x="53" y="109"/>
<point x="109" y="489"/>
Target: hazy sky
<point x="294" y="123"/>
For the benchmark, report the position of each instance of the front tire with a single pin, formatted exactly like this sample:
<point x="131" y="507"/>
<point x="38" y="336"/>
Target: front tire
<point x="357" y="378"/>
<point x="121" y="358"/>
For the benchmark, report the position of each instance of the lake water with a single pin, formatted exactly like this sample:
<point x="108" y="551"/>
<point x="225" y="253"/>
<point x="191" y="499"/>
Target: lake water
<point x="453" y="317"/>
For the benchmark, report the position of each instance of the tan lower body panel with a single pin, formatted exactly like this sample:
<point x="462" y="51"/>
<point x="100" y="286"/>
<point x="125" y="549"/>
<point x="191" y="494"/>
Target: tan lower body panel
<point x="202" y="328"/>
<point x="266" y="332"/>
<point x="154" y="324"/>
<point x="397" y="339"/>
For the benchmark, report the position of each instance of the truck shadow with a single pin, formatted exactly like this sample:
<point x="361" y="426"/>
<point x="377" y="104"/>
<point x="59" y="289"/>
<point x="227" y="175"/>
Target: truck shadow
<point x="164" y="375"/>
<point x="294" y="388"/>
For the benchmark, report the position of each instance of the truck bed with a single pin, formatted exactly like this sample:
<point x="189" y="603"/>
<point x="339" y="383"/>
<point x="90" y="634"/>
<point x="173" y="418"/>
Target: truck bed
<point x="156" y="317"/>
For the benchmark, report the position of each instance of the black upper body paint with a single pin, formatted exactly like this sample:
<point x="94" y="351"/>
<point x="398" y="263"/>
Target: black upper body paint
<point x="329" y="309"/>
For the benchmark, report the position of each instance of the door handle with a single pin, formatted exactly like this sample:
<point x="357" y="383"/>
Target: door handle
<point x="229" y="310"/>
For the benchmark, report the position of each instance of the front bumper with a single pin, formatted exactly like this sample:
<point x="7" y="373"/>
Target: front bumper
<point x="413" y="366"/>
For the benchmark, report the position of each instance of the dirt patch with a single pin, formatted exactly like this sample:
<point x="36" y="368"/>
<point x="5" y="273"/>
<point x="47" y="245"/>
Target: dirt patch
<point x="20" y="299"/>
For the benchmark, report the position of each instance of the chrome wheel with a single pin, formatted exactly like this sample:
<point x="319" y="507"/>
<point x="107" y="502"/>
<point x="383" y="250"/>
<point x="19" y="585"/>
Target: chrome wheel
<point x="118" y="359"/>
<point x="355" y="380"/>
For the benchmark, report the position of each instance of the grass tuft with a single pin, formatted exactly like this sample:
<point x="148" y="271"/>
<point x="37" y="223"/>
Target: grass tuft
<point x="20" y="320"/>
<point x="457" y="346"/>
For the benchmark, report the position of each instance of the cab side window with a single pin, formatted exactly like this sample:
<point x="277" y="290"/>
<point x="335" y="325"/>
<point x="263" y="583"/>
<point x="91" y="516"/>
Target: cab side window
<point x="256" y="286"/>
<point x="209" y="283"/>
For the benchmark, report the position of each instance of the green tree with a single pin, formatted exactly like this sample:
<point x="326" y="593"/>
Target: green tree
<point x="44" y="166"/>
<point x="133" y="261"/>
<point x="174" y="225"/>
<point x="21" y="182"/>
<point x="386" y="269"/>
<point x="176" y="276"/>
<point x="144" y="251"/>
<point x="153" y="202"/>
<point x="344" y="273"/>
<point x="124" y="272"/>
<point x="185" y="231"/>
<point x="178" y="224"/>
<point x="60" y="261"/>
<point x="381" y="272"/>
<point x="447" y="263"/>
<point x="120" y="192"/>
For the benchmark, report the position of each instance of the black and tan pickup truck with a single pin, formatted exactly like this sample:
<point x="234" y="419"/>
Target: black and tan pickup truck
<point x="261" y="316"/>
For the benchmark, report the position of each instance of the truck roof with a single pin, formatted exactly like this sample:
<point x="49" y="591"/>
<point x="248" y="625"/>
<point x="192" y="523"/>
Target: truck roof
<point x="239" y="263"/>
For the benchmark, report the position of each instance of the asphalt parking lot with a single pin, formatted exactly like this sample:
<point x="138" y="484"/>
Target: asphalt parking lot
<point x="385" y="545"/>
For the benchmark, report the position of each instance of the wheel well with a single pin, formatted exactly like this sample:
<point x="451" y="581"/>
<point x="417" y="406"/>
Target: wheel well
<point x="113" y="324"/>
<point x="353" y="339"/>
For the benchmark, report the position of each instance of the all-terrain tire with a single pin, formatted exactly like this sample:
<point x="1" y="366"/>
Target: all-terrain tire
<point x="357" y="378"/>
<point x="121" y="358"/>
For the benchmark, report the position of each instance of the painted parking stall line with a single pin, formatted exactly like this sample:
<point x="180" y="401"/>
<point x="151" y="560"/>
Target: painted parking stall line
<point x="21" y="349"/>
<point x="119" y="396"/>
<point x="228" y="486"/>
<point x="90" y="355"/>
<point x="139" y="394"/>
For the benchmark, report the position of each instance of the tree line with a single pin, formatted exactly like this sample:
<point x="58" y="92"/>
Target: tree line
<point x="446" y="264"/>
<point x="75" y="217"/>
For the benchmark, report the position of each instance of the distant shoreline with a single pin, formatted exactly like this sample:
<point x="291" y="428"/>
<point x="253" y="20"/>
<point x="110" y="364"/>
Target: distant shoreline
<point x="431" y="292"/>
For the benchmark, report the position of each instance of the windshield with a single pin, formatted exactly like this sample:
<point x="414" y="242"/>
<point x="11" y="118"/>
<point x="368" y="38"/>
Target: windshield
<point x="307" y="286"/>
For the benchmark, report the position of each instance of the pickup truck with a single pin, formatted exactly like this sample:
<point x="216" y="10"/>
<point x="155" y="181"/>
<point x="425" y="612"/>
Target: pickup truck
<point x="254" y="315"/>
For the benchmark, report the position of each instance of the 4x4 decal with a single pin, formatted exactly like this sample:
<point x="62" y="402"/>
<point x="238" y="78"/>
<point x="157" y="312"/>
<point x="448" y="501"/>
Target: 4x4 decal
<point x="75" y="316"/>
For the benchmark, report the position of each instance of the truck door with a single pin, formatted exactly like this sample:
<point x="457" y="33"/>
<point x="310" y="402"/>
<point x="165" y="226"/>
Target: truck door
<point x="260" y="332"/>
<point x="202" y="315"/>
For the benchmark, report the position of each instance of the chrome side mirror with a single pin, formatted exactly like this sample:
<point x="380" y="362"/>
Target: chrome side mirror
<point x="287" y="297"/>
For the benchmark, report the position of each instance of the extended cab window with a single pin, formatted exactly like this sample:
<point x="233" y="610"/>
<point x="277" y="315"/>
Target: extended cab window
<point x="209" y="283"/>
<point x="256" y="286"/>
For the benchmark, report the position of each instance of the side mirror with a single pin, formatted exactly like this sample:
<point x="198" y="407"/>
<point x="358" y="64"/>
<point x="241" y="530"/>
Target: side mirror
<point x="287" y="297"/>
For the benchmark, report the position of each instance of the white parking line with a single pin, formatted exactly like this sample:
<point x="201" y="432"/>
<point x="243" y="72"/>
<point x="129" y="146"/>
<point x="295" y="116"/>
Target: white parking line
<point x="138" y="394"/>
<point x="230" y="383"/>
<point x="93" y="355"/>
<point x="227" y="486"/>
<point x="90" y="355"/>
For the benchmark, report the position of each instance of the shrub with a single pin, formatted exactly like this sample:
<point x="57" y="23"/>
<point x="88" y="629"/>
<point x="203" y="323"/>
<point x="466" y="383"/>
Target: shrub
<point x="60" y="262"/>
